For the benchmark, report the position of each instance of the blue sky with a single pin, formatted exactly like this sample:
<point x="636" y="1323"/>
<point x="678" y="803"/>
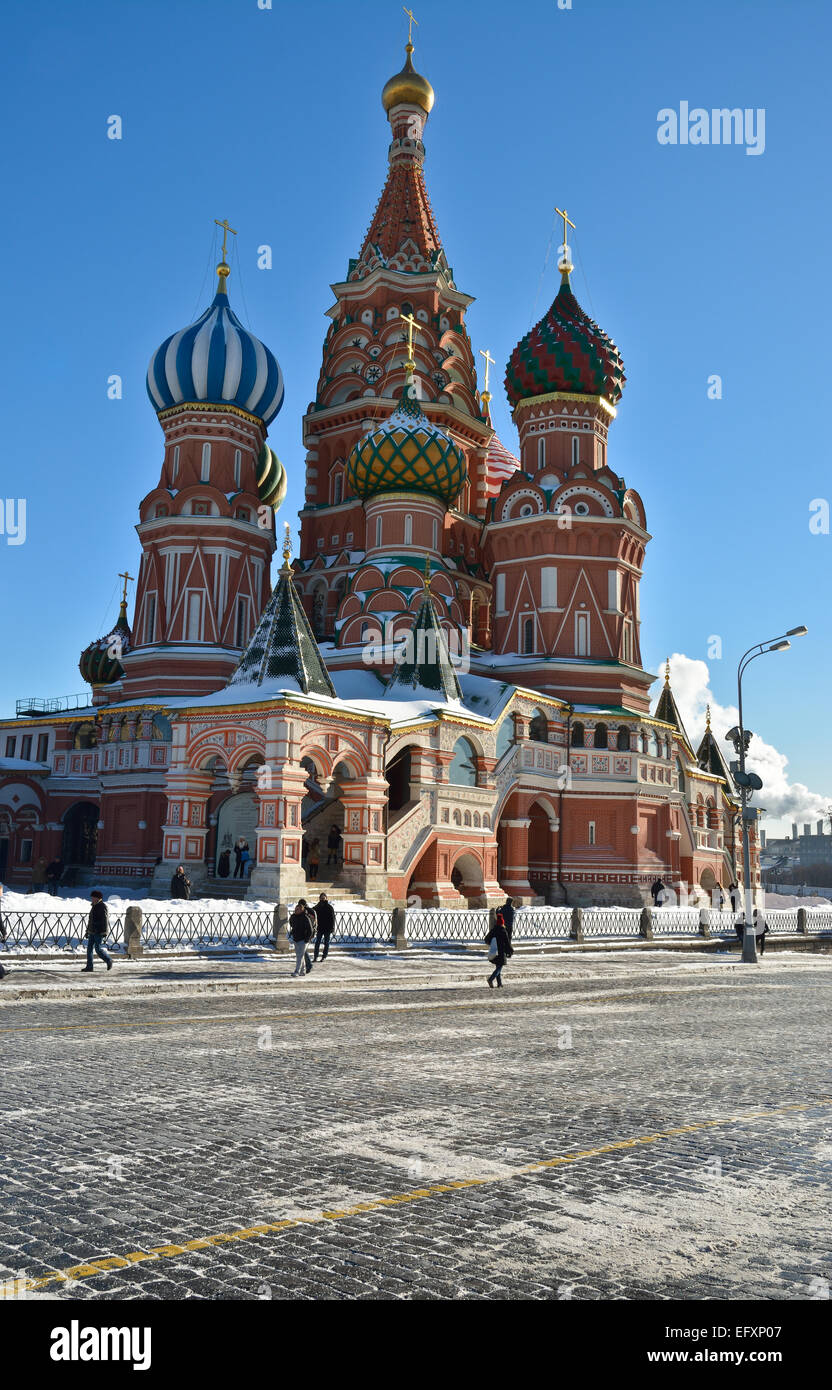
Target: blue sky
<point x="698" y="260"/>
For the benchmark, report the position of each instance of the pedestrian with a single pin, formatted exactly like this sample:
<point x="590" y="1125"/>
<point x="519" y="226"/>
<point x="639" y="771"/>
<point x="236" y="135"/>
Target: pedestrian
<point x="38" y="875"/>
<point x="657" y="892"/>
<point x="98" y="925"/>
<point x="718" y="898"/>
<point x="246" y="859"/>
<point x="760" y="931"/>
<point x="507" y="910"/>
<point x="53" y="875"/>
<point x="300" y="932"/>
<point x="499" y="949"/>
<point x="238" y="858"/>
<point x="180" y="886"/>
<point x="735" y="897"/>
<point x="325" y="924"/>
<point x="333" y="845"/>
<point x="313" y="859"/>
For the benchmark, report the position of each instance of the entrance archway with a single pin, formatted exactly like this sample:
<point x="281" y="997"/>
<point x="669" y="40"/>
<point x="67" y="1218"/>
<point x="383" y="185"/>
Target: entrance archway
<point x="540" y="840"/>
<point x="80" y="838"/>
<point x="237" y="819"/>
<point x="466" y="876"/>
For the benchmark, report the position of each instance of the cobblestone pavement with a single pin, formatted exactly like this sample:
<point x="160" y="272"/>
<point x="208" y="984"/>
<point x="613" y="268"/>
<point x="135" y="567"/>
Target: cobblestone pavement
<point x="659" y="1129"/>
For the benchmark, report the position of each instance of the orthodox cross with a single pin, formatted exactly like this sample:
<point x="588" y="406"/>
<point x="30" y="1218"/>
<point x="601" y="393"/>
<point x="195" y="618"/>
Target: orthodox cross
<point x="566" y="222"/>
<point x="413" y="21"/>
<point x="426" y="580"/>
<point x="226" y="228"/>
<point x="125" y="576"/>
<point x="287" y="546"/>
<point x="411" y="324"/>
<point x="489" y="363"/>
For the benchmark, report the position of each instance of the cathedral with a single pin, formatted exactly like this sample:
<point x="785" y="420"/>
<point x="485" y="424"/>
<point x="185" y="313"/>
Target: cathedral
<point x="442" y="697"/>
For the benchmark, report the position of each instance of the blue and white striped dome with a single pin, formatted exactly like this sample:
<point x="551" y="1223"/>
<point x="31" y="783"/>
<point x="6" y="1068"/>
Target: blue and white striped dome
<point x="216" y="359"/>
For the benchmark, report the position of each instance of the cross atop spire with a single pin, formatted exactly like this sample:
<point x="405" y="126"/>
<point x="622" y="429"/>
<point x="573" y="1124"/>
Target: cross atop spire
<point x="413" y="21"/>
<point x="223" y="269"/>
<point x="485" y="396"/>
<point x="126" y="577"/>
<point x="410" y="364"/>
<point x="565" y="265"/>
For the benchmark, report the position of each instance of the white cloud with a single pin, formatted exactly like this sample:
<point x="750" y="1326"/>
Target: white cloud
<point x="784" y="801"/>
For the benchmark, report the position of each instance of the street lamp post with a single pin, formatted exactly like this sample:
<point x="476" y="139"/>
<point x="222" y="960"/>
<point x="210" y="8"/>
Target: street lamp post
<point x="749" y="782"/>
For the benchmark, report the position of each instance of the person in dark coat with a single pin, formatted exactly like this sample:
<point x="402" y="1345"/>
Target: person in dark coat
<point x="53" y="875"/>
<point x="180" y="886"/>
<point x="333" y="845"/>
<point x="301" y="932"/>
<point x="656" y="891"/>
<point x="507" y="910"/>
<point x="736" y="897"/>
<point x="238" y="858"/>
<point x="325" y="922"/>
<point x="98" y="924"/>
<point x="499" y="934"/>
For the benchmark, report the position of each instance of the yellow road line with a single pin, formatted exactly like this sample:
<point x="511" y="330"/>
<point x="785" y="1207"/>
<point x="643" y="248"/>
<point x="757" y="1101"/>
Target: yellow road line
<point x="539" y="1001"/>
<point x="15" y="1288"/>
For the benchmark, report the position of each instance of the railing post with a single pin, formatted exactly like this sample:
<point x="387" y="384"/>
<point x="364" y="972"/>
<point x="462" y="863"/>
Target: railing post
<point x="280" y="924"/>
<point x="133" y="933"/>
<point x="492" y="918"/>
<point x="704" y="922"/>
<point x="576" y="931"/>
<point x="645" y="924"/>
<point x="802" y="921"/>
<point x="400" y="940"/>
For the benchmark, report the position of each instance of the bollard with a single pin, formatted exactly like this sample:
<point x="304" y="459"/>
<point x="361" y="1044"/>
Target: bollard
<point x="133" y="933"/>
<point x="280" y="932"/>
<point x="802" y="921"/>
<point x="400" y="941"/>
<point x="645" y="924"/>
<point x="704" y="922"/>
<point x="577" y="929"/>
<point x="492" y="918"/>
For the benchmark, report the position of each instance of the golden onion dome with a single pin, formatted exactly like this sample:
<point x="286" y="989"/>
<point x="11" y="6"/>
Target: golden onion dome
<point x="407" y="454"/>
<point x="408" y="86"/>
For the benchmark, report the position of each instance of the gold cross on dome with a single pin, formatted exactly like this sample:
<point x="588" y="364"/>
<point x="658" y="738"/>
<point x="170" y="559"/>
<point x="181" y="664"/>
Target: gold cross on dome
<point x="411" y="324"/>
<point x="489" y="363"/>
<point x="125" y="576"/>
<point x="226" y="228"/>
<point x="287" y="545"/>
<point x="412" y="20"/>
<point x="566" y="222"/>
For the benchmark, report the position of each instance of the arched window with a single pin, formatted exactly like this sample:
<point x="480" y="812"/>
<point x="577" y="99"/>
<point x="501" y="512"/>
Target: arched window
<point x="85" y="736"/>
<point x="601" y="736"/>
<point x="505" y="736"/>
<point x="654" y="745"/>
<point x="463" y="769"/>
<point x="435" y="534"/>
<point x="578" y="735"/>
<point x="541" y="451"/>
<point x="238" y="466"/>
<point x="408" y="529"/>
<point x="337" y="489"/>
<point x="175" y="469"/>
<point x="161" y="729"/>
<point x="378" y="530"/>
<point x="576" y="449"/>
<point x="539" y="727"/>
<point x="205" y="475"/>
<point x="623" y="740"/>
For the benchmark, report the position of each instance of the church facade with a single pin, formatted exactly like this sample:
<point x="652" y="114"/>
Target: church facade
<point x="449" y="672"/>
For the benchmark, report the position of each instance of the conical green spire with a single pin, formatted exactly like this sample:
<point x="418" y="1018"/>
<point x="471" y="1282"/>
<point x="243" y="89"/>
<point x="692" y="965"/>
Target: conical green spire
<point x="283" y="646"/>
<point x="425" y="667"/>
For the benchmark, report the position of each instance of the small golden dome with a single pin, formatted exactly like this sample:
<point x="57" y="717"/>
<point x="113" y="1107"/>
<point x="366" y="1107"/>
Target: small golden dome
<point x="408" y="86"/>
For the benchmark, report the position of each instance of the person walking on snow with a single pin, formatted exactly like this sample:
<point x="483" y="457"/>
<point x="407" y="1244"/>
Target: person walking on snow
<point x="180" y="886"/>
<point x="507" y="910"/>
<point x="325" y="917"/>
<point x="300" y="932"/>
<point x="98" y="925"/>
<point x="499" y="950"/>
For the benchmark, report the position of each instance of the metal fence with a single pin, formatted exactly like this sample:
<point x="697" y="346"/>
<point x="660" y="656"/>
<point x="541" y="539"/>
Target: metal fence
<point x="248" y="927"/>
<point x="238" y="927"/>
<point x="546" y="924"/>
<point x="437" y="924"/>
<point x="57" y="931"/>
<point x="367" y="924"/>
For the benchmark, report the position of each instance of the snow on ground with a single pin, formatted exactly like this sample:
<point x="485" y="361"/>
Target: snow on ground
<point x="68" y="900"/>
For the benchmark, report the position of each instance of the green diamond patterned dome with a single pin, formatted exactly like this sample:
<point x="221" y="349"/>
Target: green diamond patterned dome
<point x="407" y="454"/>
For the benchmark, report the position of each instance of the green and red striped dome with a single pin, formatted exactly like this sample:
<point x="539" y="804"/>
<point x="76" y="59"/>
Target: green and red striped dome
<point x="566" y="351"/>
